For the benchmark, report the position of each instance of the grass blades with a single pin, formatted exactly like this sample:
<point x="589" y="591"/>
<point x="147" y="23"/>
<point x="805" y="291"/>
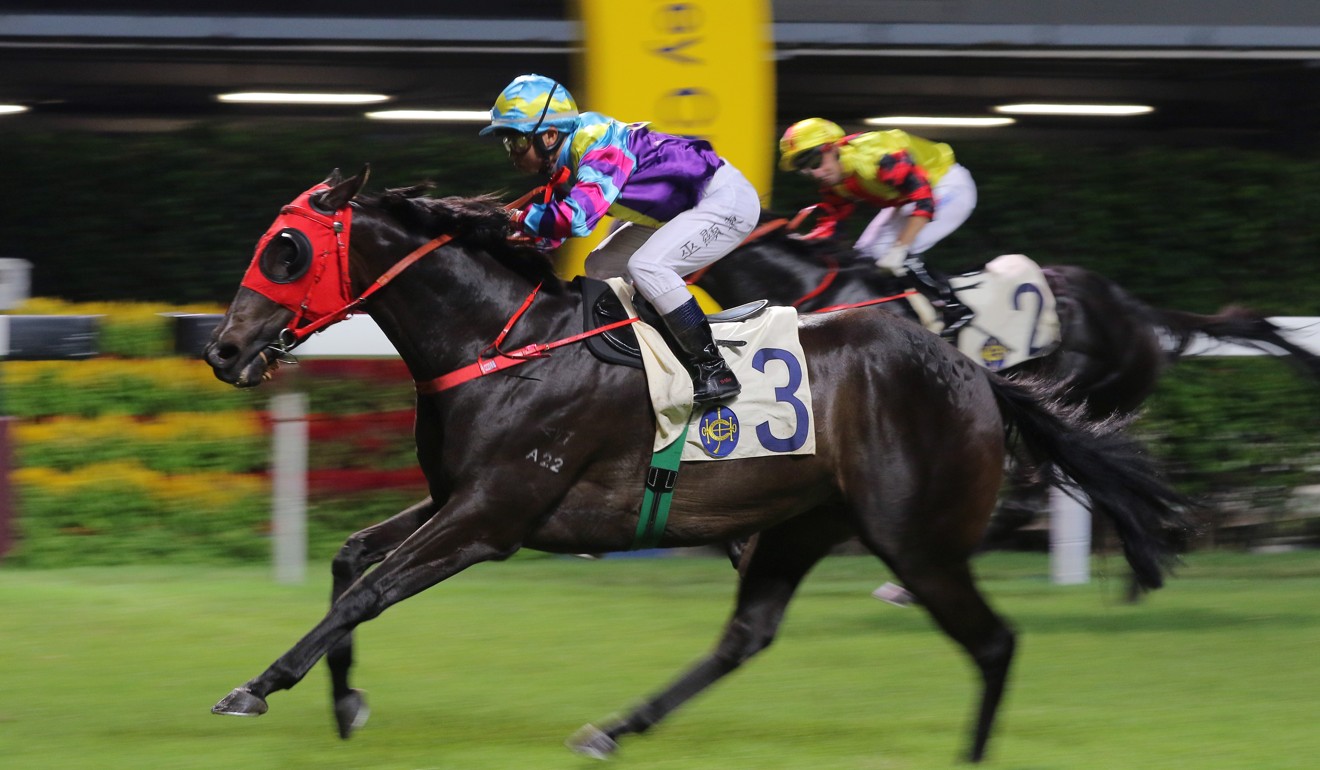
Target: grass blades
<point x="117" y="668"/>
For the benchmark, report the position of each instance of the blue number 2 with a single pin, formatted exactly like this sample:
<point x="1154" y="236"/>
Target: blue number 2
<point x="787" y="395"/>
<point x="1031" y="288"/>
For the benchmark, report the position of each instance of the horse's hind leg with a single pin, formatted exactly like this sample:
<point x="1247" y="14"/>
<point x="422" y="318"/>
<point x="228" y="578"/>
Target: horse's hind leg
<point x="943" y="583"/>
<point x="358" y="553"/>
<point x="779" y="559"/>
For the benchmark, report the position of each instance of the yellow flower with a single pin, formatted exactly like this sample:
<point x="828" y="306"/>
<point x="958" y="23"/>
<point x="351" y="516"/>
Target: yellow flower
<point x="204" y="426"/>
<point x="170" y="488"/>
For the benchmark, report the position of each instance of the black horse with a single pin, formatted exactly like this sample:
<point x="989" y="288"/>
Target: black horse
<point x="910" y="444"/>
<point x="1113" y="347"/>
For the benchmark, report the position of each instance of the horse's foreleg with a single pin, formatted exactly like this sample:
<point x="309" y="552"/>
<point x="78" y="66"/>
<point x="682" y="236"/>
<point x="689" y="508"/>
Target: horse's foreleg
<point x="444" y="546"/>
<point x="779" y="559"/>
<point x="358" y="553"/>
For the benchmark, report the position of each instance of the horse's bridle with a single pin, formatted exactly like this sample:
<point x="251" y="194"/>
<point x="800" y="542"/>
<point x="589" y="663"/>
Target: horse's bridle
<point x="321" y="293"/>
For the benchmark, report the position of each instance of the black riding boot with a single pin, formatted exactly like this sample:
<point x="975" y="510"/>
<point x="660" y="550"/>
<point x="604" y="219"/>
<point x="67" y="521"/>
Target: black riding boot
<point x="955" y="314"/>
<point x="712" y="380"/>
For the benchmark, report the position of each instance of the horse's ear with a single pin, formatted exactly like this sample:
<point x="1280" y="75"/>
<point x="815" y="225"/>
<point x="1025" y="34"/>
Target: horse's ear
<point x="334" y="178"/>
<point x="341" y="192"/>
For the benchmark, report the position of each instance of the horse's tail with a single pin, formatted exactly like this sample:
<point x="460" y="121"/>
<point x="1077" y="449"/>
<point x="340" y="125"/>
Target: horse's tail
<point x="1234" y="324"/>
<point x="1111" y="469"/>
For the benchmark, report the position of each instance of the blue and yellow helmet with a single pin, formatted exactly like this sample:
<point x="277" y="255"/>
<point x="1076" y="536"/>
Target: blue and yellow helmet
<point x="530" y="103"/>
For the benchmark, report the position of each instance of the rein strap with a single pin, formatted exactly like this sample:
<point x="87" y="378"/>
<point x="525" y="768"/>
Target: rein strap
<point x="852" y="305"/>
<point x="484" y="366"/>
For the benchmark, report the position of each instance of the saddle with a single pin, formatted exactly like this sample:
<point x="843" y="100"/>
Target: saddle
<point x="601" y="307"/>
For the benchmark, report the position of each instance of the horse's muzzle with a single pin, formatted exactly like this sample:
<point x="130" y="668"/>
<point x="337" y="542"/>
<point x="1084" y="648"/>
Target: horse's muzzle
<point x="241" y="367"/>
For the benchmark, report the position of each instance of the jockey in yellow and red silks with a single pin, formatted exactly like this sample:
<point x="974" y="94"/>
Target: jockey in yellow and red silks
<point x="683" y="206"/>
<point x="923" y="192"/>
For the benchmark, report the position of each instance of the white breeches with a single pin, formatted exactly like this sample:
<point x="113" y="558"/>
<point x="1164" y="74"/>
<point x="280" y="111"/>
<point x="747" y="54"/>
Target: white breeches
<point x="955" y="198"/>
<point x="656" y="259"/>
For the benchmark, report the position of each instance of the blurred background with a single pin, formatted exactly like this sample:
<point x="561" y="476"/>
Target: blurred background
<point x="136" y="501"/>
<point x="134" y="192"/>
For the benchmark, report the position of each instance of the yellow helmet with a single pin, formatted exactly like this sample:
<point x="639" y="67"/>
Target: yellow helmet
<point x="803" y="136"/>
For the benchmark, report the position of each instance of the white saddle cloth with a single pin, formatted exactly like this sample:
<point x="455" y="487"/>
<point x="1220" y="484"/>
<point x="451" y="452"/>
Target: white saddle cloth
<point x="1015" y="313"/>
<point x="771" y="416"/>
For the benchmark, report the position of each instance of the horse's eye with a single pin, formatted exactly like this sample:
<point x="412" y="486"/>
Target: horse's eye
<point x="287" y="257"/>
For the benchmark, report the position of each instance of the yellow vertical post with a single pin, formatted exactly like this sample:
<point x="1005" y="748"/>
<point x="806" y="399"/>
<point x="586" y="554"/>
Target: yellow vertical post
<point x="696" y="67"/>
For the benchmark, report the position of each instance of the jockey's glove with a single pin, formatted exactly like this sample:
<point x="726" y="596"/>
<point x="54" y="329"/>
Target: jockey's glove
<point x="892" y="260"/>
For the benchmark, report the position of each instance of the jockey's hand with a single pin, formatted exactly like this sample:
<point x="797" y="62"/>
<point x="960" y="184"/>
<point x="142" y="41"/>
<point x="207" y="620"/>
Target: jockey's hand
<point x="892" y="261"/>
<point x="824" y="229"/>
<point x="516" y="218"/>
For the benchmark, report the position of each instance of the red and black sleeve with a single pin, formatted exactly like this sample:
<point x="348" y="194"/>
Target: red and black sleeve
<point x="900" y="171"/>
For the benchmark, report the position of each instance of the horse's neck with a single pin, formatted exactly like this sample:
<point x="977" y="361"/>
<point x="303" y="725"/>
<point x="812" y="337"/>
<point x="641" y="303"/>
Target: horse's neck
<point x="440" y="314"/>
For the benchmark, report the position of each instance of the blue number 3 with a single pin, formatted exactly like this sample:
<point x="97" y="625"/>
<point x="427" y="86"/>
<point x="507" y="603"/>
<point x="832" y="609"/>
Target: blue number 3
<point x="788" y="395"/>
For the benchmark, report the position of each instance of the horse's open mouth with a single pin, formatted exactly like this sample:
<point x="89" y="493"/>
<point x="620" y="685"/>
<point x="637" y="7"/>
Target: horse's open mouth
<point x="270" y="362"/>
<point x="258" y="369"/>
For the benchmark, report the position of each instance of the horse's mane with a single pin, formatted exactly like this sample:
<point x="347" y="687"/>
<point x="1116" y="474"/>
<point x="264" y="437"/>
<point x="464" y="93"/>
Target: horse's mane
<point x="479" y="222"/>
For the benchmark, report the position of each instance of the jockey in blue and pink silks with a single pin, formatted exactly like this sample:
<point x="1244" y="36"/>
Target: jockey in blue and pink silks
<point x="683" y="206"/>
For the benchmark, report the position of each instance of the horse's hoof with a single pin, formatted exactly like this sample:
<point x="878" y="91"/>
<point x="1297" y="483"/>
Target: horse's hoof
<point x="351" y="712"/>
<point x="590" y="741"/>
<point x="240" y="703"/>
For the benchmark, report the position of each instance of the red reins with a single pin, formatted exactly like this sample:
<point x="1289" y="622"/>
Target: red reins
<point x="484" y="366"/>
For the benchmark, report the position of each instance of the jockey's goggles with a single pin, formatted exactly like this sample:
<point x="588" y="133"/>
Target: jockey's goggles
<point x="808" y="160"/>
<point x="516" y="144"/>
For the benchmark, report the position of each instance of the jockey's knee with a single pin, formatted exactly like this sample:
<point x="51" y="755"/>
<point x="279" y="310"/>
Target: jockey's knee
<point x="655" y="280"/>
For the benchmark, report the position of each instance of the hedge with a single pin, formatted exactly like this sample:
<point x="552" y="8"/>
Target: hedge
<point x="1186" y="227"/>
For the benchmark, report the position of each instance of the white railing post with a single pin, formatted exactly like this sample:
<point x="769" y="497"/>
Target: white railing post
<point x="288" y="413"/>
<point x="1070" y="540"/>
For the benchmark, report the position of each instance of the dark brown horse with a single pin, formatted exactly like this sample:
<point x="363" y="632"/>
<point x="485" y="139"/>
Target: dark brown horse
<point x="1113" y="347"/>
<point x="910" y="445"/>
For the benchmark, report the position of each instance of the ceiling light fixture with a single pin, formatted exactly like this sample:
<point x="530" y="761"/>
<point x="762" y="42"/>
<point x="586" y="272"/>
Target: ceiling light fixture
<point x="451" y="116"/>
<point x="1075" y="109"/>
<point x="914" y="120"/>
<point x="12" y="109"/>
<point x="278" y="97"/>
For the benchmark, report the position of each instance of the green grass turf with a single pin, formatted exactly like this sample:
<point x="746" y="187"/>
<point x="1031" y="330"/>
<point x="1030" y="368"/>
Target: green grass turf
<point x="118" y="667"/>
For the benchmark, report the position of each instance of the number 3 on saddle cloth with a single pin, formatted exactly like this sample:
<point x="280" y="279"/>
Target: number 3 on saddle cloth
<point x="1015" y="318"/>
<point x="771" y="416"/>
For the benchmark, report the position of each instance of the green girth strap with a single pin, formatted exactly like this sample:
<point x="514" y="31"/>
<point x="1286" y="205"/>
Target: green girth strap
<point x="660" y="479"/>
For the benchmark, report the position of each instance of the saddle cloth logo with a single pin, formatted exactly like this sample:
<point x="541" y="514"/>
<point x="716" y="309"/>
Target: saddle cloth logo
<point x="1015" y="314"/>
<point x="718" y="430"/>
